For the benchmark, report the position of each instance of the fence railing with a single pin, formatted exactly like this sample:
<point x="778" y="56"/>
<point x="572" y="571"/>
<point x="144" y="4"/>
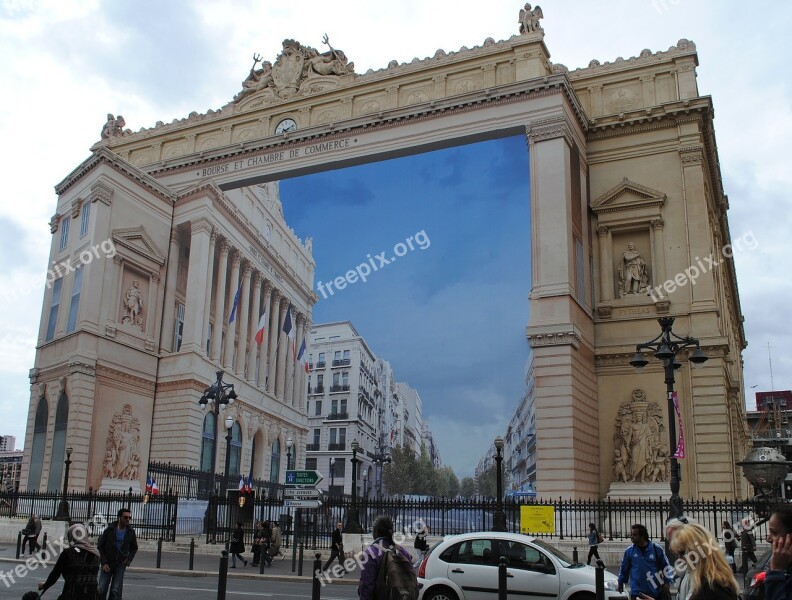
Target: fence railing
<point x="187" y="482"/>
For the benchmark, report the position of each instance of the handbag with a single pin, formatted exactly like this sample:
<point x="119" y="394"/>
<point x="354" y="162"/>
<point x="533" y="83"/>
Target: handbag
<point x="600" y="538"/>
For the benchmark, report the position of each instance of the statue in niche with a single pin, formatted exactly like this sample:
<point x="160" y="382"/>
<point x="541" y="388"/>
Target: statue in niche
<point x="632" y="272"/>
<point x="122" y="456"/>
<point x="133" y="305"/>
<point x="529" y="19"/>
<point x="638" y="441"/>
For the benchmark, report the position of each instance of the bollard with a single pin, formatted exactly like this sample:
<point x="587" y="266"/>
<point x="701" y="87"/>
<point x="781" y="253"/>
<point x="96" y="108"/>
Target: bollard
<point x="262" y="561"/>
<point x="316" y="590"/>
<point x="222" y="576"/>
<point x="300" y="566"/>
<point x="294" y="555"/>
<point x="192" y="553"/>
<point x="575" y="555"/>
<point x="19" y="544"/>
<point x="44" y="545"/>
<point x="502" y="575"/>
<point x="599" y="580"/>
<point x="159" y="552"/>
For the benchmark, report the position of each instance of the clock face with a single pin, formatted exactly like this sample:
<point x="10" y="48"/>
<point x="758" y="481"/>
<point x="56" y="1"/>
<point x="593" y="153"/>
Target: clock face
<point x="286" y="126"/>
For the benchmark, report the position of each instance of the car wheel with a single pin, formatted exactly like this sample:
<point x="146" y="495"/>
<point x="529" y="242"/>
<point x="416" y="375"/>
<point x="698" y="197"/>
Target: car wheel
<point x="440" y="593"/>
<point x="584" y="596"/>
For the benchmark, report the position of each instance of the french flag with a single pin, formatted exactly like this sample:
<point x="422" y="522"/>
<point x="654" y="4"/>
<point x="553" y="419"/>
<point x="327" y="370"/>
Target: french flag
<point x="262" y="325"/>
<point x="301" y="357"/>
<point x="148" y="485"/>
<point x="236" y="303"/>
<point x="289" y="330"/>
<point x="154" y="487"/>
<point x="242" y="484"/>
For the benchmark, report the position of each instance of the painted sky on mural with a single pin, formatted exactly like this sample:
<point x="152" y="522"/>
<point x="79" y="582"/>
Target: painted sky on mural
<point x="65" y="64"/>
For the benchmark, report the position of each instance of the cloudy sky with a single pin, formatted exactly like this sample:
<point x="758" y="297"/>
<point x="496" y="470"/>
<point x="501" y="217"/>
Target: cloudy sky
<point x="65" y="64"/>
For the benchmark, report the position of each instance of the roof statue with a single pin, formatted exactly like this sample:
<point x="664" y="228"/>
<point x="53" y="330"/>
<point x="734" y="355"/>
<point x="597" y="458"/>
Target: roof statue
<point x="114" y="127"/>
<point x="529" y="19"/>
<point x="297" y="70"/>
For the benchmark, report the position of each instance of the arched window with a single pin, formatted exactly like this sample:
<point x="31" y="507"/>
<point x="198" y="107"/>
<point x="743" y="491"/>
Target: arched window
<point x="275" y="461"/>
<point x="55" y="481"/>
<point x="236" y="450"/>
<point x="208" y="443"/>
<point x="39" y="441"/>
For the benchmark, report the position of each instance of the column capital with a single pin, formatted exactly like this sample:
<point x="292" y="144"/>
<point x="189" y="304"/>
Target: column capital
<point x="392" y="88"/>
<point x="213" y="236"/>
<point x="691" y="155"/>
<point x="276" y="295"/>
<point x="236" y="258"/>
<point x="301" y="318"/>
<point x="257" y="278"/>
<point x="247" y="269"/>
<point x="267" y="287"/>
<point x="595" y="88"/>
<point x="657" y="224"/>
<point x="224" y="246"/>
<point x="101" y="192"/>
<point x="201" y="225"/>
<point x="602" y="231"/>
<point x="650" y="77"/>
<point x="439" y="78"/>
<point x="549" y="129"/>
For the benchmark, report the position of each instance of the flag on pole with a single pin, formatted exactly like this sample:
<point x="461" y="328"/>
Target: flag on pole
<point x="680" y="449"/>
<point x="301" y="357"/>
<point x="148" y="485"/>
<point x="236" y="303"/>
<point x="262" y="325"/>
<point x="241" y="483"/>
<point x="289" y="330"/>
<point x="154" y="487"/>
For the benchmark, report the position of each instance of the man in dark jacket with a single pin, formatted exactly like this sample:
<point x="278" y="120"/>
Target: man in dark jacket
<point x="117" y="547"/>
<point x="31" y="533"/>
<point x="336" y="548"/>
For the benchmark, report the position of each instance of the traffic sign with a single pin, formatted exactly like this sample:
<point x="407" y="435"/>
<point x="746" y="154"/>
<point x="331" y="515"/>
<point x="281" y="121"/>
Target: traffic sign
<point x="301" y="504"/>
<point x="304" y="493"/>
<point x="303" y="477"/>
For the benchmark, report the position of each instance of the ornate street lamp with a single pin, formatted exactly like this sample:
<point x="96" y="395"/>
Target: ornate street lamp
<point x="353" y="519"/>
<point x="289" y="444"/>
<point x="666" y="346"/>
<point x="332" y="476"/>
<point x="218" y="395"/>
<point x="229" y="423"/>
<point x="499" y="517"/>
<point x="365" y="485"/>
<point x="380" y="460"/>
<point x="63" y="505"/>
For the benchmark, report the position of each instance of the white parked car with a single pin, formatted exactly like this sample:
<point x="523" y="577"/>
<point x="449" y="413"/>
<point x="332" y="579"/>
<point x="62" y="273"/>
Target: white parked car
<point x="465" y="567"/>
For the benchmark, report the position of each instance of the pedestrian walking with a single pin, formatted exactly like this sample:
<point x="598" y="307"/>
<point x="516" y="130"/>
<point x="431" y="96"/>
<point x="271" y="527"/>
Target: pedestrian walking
<point x="399" y="567"/>
<point x="711" y="577"/>
<point x="747" y="545"/>
<point x="730" y="544"/>
<point x="258" y="541"/>
<point x="276" y="541"/>
<point x="594" y="540"/>
<point x="266" y="543"/>
<point x="78" y="565"/>
<point x="778" y="581"/>
<point x="237" y="547"/>
<point x="643" y="566"/>
<point x="117" y="548"/>
<point x="336" y="549"/>
<point x="31" y="533"/>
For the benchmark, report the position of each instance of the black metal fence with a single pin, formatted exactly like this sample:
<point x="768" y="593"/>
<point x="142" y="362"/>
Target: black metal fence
<point x="186" y="482"/>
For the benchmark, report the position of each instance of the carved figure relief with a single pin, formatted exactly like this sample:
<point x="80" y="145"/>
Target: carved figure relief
<point x="638" y="453"/>
<point x="122" y="456"/>
<point x="529" y="19"/>
<point x="114" y="127"/>
<point x="622" y="101"/>
<point x="133" y="306"/>
<point x="632" y="273"/>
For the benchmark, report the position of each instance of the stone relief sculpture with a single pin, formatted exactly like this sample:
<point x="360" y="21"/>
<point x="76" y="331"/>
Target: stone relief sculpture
<point x="632" y="273"/>
<point x="294" y="68"/>
<point x="529" y="19"/>
<point x="638" y="454"/>
<point x="114" y="127"/>
<point x="122" y="458"/>
<point x="133" y="306"/>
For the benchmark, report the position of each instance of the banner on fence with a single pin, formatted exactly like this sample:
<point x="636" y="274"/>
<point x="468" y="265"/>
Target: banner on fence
<point x="537" y="519"/>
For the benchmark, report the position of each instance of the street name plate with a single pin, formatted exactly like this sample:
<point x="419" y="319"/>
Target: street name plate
<point x="306" y="493"/>
<point x="301" y="504"/>
<point x="303" y="477"/>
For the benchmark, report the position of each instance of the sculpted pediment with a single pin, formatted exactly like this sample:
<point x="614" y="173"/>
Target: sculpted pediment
<point x="138" y="241"/>
<point x="628" y="195"/>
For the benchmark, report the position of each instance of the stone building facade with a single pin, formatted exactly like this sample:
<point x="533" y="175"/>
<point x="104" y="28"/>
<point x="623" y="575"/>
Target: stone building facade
<point x="625" y="195"/>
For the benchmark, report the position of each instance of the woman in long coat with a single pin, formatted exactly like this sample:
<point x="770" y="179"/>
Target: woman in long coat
<point x="79" y="566"/>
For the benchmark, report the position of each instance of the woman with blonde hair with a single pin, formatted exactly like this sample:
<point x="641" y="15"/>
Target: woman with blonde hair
<point x="710" y="576"/>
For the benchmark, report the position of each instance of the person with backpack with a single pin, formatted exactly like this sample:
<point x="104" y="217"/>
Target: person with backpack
<point x="643" y="566"/>
<point x="594" y="540"/>
<point x="386" y="570"/>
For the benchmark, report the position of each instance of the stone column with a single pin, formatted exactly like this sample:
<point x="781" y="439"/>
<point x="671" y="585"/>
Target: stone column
<point x="272" y="336"/>
<point x="648" y="90"/>
<point x="196" y="286"/>
<point x="263" y="349"/>
<point x="283" y="351"/>
<point x="606" y="264"/>
<point x="242" y="314"/>
<point x="595" y="99"/>
<point x="153" y="297"/>
<point x="658" y="249"/>
<point x="228" y="354"/>
<point x="220" y="291"/>
<point x="170" y="291"/>
<point x="299" y="371"/>
<point x="255" y="314"/>
<point x="209" y="282"/>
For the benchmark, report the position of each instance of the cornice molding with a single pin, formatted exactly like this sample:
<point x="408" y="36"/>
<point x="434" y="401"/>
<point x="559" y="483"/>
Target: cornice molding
<point x="116" y="375"/>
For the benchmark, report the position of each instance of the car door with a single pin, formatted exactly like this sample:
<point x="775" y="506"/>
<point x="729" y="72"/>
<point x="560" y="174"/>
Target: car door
<point x="473" y="569"/>
<point x="531" y="574"/>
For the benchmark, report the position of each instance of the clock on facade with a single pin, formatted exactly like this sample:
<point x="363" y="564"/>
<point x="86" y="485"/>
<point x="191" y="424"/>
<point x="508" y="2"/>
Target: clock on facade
<point x="286" y="126"/>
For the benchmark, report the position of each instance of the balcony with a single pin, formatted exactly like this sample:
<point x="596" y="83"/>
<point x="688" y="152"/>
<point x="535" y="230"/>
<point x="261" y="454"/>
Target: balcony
<point x="345" y="362"/>
<point x="339" y="388"/>
<point x="336" y="446"/>
<point x="320" y="365"/>
<point x="312" y="447"/>
<point x="319" y="389"/>
<point x="338" y="416"/>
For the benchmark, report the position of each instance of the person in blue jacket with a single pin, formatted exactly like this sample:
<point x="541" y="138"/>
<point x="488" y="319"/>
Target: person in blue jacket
<point x="778" y="581"/>
<point x="644" y="567"/>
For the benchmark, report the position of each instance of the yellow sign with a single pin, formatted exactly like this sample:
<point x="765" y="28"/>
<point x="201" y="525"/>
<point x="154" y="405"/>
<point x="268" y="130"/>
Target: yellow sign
<point x="537" y="519"/>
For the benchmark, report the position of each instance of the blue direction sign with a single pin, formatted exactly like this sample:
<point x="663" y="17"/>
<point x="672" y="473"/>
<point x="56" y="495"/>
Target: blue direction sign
<point x="303" y="477"/>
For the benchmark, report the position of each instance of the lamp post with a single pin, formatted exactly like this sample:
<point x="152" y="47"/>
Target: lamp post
<point x="219" y="395"/>
<point x="289" y="444"/>
<point x="63" y="505"/>
<point x="666" y="346"/>
<point x="380" y="460"/>
<point x="365" y="485"/>
<point x="229" y="423"/>
<point x="332" y="475"/>
<point x="353" y="519"/>
<point x="499" y="517"/>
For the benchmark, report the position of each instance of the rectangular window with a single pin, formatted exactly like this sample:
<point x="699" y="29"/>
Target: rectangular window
<point x="336" y="378"/>
<point x="339" y="468"/>
<point x="318" y="408"/>
<point x="316" y="433"/>
<point x="345" y="378"/>
<point x="310" y="464"/>
<point x="209" y="330"/>
<point x="321" y="362"/>
<point x="343" y="405"/>
<point x="342" y="435"/>
<point x="85" y="219"/>
<point x="52" y="322"/>
<point x="337" y="355"/>
<point x="320" y="382"/>
<point x="333" y="433"/>
<point x="74" y="305"/>
<point x="346" y="356"/>
<point x="64" y="239"/>
<point x="334" y="406"/>
<point x="178" y="331"/>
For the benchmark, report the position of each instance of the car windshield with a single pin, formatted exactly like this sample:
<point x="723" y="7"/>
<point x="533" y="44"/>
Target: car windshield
<point x="563" y="558"/>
